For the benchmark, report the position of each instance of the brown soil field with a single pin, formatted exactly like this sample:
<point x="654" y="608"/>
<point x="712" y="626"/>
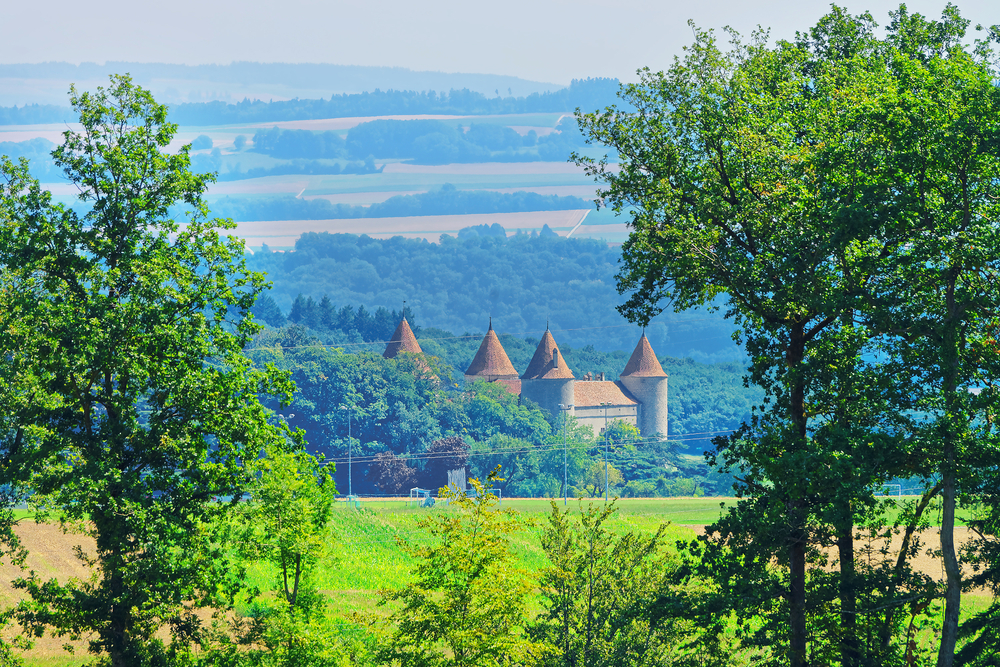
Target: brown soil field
<point x="926" y="560"/>
<point x="282" y="234"/>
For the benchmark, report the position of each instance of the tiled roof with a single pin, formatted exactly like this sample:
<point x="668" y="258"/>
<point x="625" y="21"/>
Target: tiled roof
<point x="491" y="359"/>
<point x="588" y="394"/>
<point x="402" y="340"/>
<point x="548" y="362"/>
<point x="643" y="362"/>
<point x="513" y="385"/>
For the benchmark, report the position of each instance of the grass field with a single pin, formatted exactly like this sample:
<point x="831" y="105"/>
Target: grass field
<point x="367" y="550"/>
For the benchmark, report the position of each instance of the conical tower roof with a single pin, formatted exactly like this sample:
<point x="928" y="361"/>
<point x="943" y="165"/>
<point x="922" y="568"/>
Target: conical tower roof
<point x="548" y="362"/>
<point x="491" y="359"/>
<point x="643" y="362"/>
<point x="402" y="341"/>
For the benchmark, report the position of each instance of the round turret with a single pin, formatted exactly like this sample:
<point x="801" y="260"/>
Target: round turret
<point x="644" y="377"/>
<point x="548" y="380"/>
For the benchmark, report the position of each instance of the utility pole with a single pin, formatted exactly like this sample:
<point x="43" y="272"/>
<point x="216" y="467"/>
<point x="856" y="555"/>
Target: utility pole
<point x="565" y="410"/>
<point x="605" y="453"/>
<point x="350" y="488"/>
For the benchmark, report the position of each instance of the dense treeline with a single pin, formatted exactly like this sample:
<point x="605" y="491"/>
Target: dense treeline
<point x="399" y="407"/>
<point x="34" y="114"/>
<point x="583" y="93"/>
<point x="38" y="153"/>
<point x="291" y="144"/>
<point x="521" y="281"/>
<point x="705" y="400"/>
<point x="445" y="201"/>
<point x="423" y="141"/>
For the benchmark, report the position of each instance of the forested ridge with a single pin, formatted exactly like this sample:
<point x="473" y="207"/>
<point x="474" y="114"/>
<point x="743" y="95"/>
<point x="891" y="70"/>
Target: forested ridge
<point x="584" y="93"/>
<point x="522" y="282"/>
<point x="446" y="200"/>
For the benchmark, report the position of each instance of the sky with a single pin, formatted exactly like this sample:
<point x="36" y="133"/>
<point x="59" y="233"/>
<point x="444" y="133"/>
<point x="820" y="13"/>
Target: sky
<point x="552" y="41"/>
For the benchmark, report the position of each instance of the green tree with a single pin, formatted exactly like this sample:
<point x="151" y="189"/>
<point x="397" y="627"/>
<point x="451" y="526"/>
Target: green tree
<point x="760" y="174"/>
<point x="138" y="324"/>
<point x="600" y="594"/>
<point x="946" y="140"/>
<point x="467" y="605"/>
<point x="285" y="525"/>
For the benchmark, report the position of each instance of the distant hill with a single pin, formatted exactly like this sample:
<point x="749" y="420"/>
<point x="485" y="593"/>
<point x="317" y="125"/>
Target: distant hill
<point x="47" y="83"/>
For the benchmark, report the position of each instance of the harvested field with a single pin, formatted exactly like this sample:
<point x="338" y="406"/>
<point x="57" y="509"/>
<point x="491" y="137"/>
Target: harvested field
<point x="283" y="234"/>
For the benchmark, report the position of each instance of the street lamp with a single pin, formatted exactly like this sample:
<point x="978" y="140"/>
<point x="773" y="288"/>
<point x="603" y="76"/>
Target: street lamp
<point x="350" y="489"/>
<point x="565" y="409"/>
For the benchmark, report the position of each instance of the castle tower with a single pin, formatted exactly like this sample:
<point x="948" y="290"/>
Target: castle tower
<point x="548" y="380"/>
<point x="402" y="340"/>
<point x="644" y="378"/>
<point x="492" y="364"/>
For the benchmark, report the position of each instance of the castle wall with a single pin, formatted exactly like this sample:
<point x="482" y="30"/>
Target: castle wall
<point x="652" y="394"/>
<point x="593" y="415"/>
<point x="549" y="393"/>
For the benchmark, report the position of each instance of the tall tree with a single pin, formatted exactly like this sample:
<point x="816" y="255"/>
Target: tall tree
<point x="756" y="174"/>
<point x="137" y="329"/>
<point x="940" y="303"/>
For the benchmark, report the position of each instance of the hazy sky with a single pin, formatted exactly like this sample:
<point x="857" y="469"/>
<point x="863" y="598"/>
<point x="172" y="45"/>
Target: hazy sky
<point x="542" y="40"/>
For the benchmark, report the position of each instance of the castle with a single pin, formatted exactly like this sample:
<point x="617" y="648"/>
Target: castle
<point x="638" y="397"/>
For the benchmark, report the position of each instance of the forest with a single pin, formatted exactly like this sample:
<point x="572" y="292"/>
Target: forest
<point x="590" y="93"/>
<point x="522" y="282"/>
<point x="705" y="400"/>
<point x="446" y="200"/>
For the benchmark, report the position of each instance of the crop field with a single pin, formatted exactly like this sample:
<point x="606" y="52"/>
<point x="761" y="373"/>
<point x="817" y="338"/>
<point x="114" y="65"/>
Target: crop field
<point x="368" y="551"/>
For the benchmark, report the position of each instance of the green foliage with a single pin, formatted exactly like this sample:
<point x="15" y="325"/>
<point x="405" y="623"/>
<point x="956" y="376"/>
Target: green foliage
<point x="285" y="524"/>
<point x="590" y="93"/>
<point x="826" y="187"/>
<point x="146" y="407"/>
<point x="445" y="201"/>
<point x="457" y="285"/>
<point x="467" y="605"/>
<point x="601" y="591"/>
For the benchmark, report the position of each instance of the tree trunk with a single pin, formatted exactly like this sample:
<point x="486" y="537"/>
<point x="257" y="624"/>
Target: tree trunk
<point x="953" y="584"/>
<point x="797" y="536"/>
<point x="797" y="600"/>
<point x="850" y="653"/>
